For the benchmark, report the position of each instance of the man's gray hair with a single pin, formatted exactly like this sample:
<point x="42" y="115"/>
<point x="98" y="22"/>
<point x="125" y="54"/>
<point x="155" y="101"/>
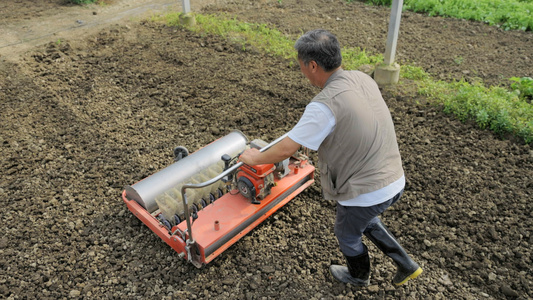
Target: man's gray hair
<point x="321" y="46"/>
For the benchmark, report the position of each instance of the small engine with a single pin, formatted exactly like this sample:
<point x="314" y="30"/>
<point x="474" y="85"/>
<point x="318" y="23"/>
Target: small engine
<point x="256" y="182"/>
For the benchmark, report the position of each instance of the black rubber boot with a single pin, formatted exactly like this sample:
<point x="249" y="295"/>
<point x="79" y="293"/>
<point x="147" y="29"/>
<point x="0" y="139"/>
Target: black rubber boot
<point x="380" y="235"/>
<point x="358" y="271"/>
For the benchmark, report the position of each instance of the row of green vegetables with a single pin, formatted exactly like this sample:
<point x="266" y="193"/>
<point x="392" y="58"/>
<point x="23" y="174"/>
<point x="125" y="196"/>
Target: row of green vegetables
<point x="507" y="14"/>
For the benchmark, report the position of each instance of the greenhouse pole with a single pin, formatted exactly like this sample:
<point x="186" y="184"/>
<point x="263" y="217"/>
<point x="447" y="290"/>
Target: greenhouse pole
<point x="389" y="72"/>
<point x="187" y="18"/>
<point x="186" y="6"/>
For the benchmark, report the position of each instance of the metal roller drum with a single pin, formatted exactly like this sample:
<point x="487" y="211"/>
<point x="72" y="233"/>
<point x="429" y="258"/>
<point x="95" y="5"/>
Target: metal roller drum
<point x="145" y="191"/>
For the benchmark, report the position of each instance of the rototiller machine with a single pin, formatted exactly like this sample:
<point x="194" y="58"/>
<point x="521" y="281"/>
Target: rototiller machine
<point x="206" y="201"/>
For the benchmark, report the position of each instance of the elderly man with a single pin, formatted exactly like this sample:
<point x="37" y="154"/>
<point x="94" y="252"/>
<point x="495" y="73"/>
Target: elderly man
<point x="350" y="125"/>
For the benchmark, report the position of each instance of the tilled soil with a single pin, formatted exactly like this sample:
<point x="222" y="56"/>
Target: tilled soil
<point x="82" y="118"/>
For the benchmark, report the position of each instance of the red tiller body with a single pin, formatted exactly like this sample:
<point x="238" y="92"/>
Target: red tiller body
<point x="223" y="222"/>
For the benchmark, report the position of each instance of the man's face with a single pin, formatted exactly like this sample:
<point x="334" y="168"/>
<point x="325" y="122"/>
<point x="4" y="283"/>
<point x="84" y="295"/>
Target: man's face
<point x="308" y="70"/>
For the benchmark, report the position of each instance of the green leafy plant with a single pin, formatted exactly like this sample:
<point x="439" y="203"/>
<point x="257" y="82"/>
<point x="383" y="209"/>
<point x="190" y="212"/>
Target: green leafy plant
<point x="524" y="86"/>
<point x="413" y="73"/>
<point x="494" y="108"/>
<point x="353" y="58"/>
<point x="458" y="60"/>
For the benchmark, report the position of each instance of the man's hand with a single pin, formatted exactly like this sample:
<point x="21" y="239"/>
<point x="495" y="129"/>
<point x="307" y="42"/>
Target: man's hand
<point x="249" y="155"/>
<point x="280" y="151"/>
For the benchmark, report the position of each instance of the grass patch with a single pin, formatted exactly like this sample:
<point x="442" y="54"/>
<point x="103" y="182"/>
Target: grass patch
<point x="494" y="108"/>
<point x="246" y="34"/>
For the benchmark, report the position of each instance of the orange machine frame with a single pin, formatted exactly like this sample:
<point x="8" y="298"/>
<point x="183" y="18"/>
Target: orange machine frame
<point x="225" y="221"/>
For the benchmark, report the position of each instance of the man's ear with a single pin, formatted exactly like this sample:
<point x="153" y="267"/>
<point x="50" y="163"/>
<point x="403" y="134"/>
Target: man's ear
<point x="314" y="66"/>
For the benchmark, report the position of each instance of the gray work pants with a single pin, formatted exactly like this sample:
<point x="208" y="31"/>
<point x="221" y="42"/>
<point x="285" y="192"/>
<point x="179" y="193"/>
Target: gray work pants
<point x="352" y="221"/>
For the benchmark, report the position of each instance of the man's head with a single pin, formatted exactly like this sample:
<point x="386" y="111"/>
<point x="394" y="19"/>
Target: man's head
<point x="321" y="46"/>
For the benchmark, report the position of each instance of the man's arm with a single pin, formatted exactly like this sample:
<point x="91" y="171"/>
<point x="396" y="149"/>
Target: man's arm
<point x="280" y="151"/>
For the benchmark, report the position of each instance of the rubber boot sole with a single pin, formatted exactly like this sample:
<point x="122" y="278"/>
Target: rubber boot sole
<point x="412" y="276"/>
<point x="342" y="274"/>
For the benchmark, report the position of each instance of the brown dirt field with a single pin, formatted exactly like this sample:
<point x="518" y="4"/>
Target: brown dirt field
<point x="105" y="106"/>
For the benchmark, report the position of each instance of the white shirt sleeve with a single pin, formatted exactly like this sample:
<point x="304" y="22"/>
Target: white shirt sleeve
<point x="316" y="123"/>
